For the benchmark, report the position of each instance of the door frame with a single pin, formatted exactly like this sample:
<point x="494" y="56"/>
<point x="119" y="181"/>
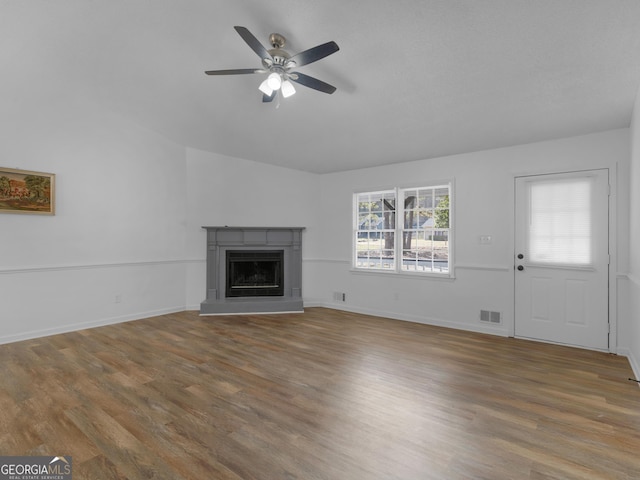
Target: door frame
<point x="612" y="235"/>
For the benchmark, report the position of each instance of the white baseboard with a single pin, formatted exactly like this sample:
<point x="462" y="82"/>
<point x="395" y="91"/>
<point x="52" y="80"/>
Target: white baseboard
<point x="315" y="302"/>
<point x="635" y="366"/>
<point x="470" y="327"/>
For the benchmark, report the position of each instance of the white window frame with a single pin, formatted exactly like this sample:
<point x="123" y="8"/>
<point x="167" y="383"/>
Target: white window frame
<point x="396" y="266"/>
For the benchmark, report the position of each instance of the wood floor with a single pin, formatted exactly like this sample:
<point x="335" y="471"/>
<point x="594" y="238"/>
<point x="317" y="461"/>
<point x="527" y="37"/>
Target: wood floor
<point x="320" y="395"/>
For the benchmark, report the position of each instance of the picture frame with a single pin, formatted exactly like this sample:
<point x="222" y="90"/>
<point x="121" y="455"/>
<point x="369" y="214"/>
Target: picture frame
<point x="27" y="192"/>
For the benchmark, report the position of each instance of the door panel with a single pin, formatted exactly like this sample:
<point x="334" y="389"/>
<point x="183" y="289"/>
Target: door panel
<point x="562" y="258"/>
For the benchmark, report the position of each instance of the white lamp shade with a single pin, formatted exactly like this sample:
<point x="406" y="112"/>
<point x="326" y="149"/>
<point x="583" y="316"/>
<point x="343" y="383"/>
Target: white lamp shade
<point x="287" y="89"/>
<point x="265" y="88"/>
<point x="274" y="81"/>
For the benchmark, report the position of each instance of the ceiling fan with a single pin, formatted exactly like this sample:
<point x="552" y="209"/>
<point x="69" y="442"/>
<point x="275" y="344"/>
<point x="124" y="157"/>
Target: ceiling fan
<point x="279" y="64"/>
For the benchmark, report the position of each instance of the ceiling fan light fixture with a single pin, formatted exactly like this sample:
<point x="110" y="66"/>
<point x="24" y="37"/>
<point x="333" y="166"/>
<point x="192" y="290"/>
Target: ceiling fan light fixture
<point x="274" y="81"/>
<point x="287" y="89"/>
<point x="265" y="88"/>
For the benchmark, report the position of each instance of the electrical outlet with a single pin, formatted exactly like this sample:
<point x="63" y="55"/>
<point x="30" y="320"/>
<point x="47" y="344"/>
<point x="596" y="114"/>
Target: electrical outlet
<point x="118" y="298"/>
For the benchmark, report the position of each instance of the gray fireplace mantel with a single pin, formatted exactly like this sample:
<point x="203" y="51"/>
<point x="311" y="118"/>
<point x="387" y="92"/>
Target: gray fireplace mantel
<point x="222" y="239"/>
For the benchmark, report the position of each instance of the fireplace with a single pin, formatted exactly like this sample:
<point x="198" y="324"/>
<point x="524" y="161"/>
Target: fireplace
<point x="255" y="273"/>
<point x="253" y="270"/>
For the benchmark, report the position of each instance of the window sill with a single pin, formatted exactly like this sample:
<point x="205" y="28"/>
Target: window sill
<point x="395" y="273"/>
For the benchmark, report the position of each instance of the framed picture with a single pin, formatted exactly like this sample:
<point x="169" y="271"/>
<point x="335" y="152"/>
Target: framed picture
<point x="23" y="191"/>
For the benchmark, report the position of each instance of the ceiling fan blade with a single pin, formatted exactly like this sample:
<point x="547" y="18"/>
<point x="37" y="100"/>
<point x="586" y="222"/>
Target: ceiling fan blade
<point x="269" y="98"/>
<point x="253" y="42"/>
<point x="312" y="82"/>
<point x="236" y="71"/>
<point x="315" y="53"/>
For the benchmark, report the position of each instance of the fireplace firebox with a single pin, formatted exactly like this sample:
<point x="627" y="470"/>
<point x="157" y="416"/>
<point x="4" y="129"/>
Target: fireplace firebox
<point x="253" y="270"/>
<point x="255" y="273"/>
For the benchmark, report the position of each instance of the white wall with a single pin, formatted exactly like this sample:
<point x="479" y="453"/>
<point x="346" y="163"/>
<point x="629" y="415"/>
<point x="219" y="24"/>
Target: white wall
<point x="484" y="205"/>
<point x="115" y="248"/>
<point x="235" y="192"/>
<point x="634" y="233"/>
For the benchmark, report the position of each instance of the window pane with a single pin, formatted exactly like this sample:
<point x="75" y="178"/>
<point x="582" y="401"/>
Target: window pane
<point x="410" y="199"/>
<point x="388" y="259"/>
<point x="388" y="239"/>
<point x="426" y="219"/>
<point x="425" y="200"/>
<point x="422" y="200"/>
<point x="410" y="219"/>
<point x="363" y="221"/>
<point x="389" y="220"/>
<point x="441" y="214"/>
<point x="440" y="195"/>
<point x="441" y="218"/>
<point x="389" y="199"/>
<point x="362" y="242"/>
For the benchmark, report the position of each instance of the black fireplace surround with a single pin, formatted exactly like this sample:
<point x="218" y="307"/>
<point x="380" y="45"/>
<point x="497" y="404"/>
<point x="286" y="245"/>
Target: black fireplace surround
<point x="253" y="270"/>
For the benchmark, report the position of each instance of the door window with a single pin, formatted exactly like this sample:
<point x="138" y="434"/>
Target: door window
<point x="560" y="222"/>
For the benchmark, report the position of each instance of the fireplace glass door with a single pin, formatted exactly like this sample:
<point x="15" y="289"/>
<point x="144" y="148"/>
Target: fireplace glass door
<point x="255" y="273"/>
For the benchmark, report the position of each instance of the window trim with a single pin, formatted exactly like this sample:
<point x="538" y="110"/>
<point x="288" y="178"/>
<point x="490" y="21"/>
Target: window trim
<point x="398" y="192"/>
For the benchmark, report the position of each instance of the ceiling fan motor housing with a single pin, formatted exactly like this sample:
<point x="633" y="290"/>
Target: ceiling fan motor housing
<point x="280" y="57"/>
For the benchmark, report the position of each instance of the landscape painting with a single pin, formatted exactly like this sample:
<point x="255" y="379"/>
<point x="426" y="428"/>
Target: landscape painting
<point x="24" y="191"/>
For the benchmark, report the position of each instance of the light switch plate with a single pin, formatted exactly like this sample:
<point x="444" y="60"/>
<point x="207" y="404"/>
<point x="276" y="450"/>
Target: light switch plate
<point x="485" y="239"/>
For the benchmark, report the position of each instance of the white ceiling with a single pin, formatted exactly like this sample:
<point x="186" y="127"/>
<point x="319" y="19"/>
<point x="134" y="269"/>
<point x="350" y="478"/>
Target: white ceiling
<point x="415" y="79"/>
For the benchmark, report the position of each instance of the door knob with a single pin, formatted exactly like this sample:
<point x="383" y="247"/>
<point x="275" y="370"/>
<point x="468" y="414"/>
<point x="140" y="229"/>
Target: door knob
<point x="520" y="256"/>
<point x="520" y="267"/>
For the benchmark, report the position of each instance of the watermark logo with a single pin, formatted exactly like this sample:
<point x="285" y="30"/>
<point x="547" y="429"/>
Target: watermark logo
<point x="35" y="468"/>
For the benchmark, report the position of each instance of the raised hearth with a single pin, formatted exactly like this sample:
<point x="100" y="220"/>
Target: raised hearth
<point x="253" y="270"/>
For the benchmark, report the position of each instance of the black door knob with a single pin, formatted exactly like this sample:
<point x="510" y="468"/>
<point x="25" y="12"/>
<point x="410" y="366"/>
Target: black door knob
<point x="520" y="267"/>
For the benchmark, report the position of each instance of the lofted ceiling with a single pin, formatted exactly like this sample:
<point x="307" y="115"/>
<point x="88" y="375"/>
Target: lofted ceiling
<point x="415" y="79"/>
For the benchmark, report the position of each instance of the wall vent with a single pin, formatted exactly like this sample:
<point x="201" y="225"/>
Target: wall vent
<point x="339" y="297"/>
<point x="490" y="317"/>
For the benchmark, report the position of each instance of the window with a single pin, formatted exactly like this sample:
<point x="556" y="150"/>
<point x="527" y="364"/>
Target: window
<point x="403" y="230"/>
<point x="376" y="230"/>
<point x="560" y="221"/>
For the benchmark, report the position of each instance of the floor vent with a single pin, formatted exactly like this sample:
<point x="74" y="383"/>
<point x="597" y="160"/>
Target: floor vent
<point x="490" y="317"/>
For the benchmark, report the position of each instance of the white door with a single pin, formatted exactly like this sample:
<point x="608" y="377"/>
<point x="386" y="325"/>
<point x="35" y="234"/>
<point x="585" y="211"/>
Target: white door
<point x="562" y="258"/>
